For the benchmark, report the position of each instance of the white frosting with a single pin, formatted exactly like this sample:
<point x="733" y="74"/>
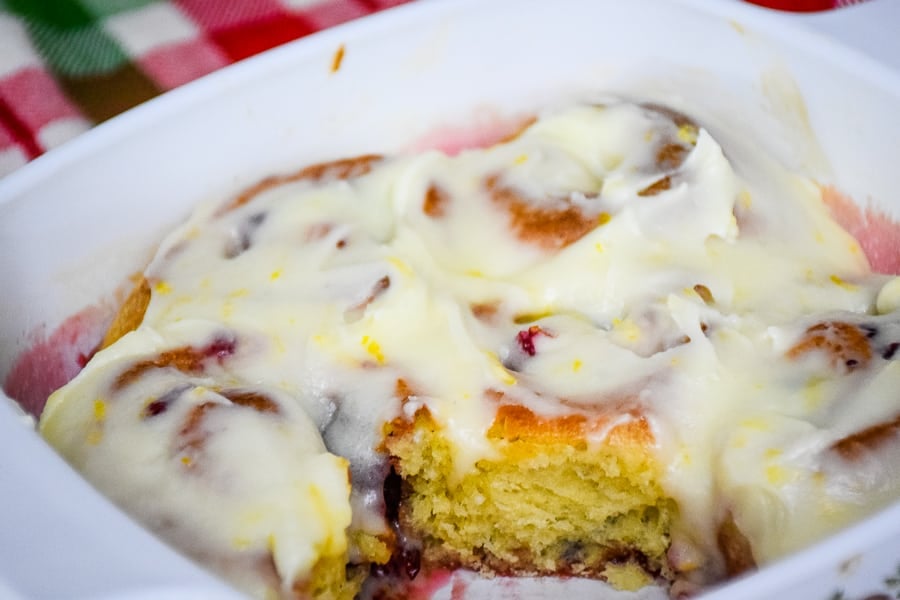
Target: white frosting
<point x="334" y="290"/>
<point x="258" y="484"/>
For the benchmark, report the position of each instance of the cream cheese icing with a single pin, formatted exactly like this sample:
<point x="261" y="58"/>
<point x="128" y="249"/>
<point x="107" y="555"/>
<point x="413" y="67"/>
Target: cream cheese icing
<point x="608" y="254"/>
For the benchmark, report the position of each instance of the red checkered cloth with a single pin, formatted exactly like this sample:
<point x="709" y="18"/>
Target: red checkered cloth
<point x="66" y="65"/>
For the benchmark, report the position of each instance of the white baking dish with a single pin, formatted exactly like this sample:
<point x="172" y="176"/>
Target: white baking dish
<point x="76" y="222"/>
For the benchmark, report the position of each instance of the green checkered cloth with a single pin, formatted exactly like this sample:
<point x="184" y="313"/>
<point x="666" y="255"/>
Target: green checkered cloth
<point x="68" y="64"/>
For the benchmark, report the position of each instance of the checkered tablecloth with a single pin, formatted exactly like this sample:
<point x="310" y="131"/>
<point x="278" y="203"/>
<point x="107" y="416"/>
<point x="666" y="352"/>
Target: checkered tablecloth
<point x="66" y="65"/>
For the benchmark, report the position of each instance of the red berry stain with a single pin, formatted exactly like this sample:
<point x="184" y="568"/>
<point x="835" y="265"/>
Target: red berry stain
<point x="459" y="589"/>
<point x="484" y="131"/>
<point x="877" y="232"/>
<point x="49" y="361"/>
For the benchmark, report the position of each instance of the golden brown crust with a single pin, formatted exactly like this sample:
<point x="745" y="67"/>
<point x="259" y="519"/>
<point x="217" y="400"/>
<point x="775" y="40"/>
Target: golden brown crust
<point x="549" y="228"/>
<point x="856" y="445"/>
<point x="846" y="344"/>
<point x="250" y="399"/>
<point x="440" y="558"/>
<point x="435" y="203"/>
<point x="485" y="311"/>
<point x="656" y="187"/>
<point x="735" y="548"/>
<point x="670" y="156"/>
<point x="704" y="293"/>
<point x="402" y="426"/>
<point x="633" y="432"/>
<point x="337" y="169"/>
<point x="378" y="288"/>
<point x="402" y="390"/>
<point x="679" y="118"/>
<point x="192" y="437"/>
<point x="130" y="314"/>
<point x="518" y="423"/>
<point x="185" y="359"/>
<point x="344" y="168"/>
<point x="523" y="126"/>
<point x="515" y="422"/>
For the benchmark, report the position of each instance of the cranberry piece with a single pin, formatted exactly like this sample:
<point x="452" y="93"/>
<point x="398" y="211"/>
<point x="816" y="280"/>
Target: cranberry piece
<point x="405" y="560"/>
<point x="392" y="491"/>
<point x="161" y="404"/>
<point x="526" y="339"/>
<point x="157" y="407"/>
<point x="220" y="349"/>
<point x="412" y="561"/>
